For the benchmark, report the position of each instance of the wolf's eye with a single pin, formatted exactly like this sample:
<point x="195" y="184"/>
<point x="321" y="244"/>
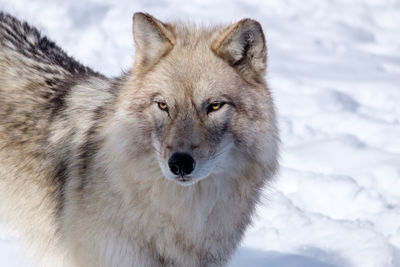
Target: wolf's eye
<point x="215" y="106"/>
<point x="163" y="106"/>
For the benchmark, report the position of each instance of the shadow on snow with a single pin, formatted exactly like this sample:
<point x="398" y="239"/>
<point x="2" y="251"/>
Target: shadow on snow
<point x="313" y="258"/>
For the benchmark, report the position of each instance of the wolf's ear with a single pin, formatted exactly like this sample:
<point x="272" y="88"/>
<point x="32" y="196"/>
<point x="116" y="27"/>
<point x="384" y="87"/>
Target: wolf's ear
<point x="243" y="47"/>
<point x="153" y="39"/>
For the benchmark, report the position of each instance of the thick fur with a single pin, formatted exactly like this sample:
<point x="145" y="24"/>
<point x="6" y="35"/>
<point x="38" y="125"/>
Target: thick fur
<point x="83" y="158"/>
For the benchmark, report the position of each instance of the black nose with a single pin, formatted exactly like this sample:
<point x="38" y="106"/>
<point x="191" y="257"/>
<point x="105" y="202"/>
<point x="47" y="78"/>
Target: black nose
<point x="181" y="164"/>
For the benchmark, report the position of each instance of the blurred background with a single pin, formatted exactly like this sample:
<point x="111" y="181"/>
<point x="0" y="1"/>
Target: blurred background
<point x="334" y="70"/>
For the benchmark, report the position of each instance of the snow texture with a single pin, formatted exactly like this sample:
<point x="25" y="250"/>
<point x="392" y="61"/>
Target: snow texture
<point x="334" y="70"/>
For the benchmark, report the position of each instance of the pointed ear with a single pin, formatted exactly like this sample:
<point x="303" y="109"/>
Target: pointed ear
<point x="243" y="47"/>
<point x="153" y="40"/>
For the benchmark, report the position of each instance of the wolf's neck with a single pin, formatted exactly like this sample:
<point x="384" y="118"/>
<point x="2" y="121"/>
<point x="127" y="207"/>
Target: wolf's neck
<point x="134" y="176"/>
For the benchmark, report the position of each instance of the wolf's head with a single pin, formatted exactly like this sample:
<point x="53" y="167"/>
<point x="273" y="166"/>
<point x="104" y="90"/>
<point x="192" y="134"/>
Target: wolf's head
<point x="197" y="97"/>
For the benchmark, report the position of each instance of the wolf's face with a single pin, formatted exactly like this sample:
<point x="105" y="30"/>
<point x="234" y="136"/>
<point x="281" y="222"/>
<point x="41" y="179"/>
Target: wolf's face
<point x="199" y="93"/>
<point x="192" y="108"/>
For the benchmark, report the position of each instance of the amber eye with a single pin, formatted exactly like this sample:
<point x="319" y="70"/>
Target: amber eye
<point x="215" y="106"/>
<point x="163" y="106"/>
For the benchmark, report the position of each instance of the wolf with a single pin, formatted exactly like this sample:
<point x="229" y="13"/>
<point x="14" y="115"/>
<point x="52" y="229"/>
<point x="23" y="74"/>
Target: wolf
<point x="161" y="166"/>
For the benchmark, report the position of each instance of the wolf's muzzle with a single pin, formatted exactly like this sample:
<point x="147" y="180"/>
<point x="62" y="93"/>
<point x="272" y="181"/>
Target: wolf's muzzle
<point x="181" y="164"/>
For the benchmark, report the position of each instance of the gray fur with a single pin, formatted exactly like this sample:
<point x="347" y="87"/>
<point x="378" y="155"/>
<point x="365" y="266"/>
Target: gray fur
<point x="82" y="156"/>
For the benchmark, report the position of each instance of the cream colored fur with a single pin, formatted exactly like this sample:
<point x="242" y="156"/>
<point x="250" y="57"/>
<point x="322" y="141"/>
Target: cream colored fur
<point x="99" y="191"/>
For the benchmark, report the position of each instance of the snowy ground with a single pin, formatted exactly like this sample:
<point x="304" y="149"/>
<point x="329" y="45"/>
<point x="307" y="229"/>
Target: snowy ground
<point x="334" y="68"/>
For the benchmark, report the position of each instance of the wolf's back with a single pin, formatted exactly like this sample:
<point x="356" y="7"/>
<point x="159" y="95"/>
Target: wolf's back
<point x="24" y="41"/>
<point x="35" y="78"/>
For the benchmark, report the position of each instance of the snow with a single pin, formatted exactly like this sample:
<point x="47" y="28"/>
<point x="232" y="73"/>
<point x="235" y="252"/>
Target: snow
<point x="334" y="70"/>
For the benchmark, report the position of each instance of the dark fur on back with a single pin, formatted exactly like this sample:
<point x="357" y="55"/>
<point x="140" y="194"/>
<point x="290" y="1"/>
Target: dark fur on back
<point x="36" y="72"/>
<point x="27" y="40"/>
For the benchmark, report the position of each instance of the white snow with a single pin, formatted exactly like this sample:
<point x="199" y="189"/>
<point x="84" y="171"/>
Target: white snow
<point x="334" y="69"/>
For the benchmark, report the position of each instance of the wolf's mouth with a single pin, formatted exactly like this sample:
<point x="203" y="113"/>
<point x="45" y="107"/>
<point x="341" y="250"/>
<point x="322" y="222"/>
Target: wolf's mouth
<point x="183" y="179"/>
